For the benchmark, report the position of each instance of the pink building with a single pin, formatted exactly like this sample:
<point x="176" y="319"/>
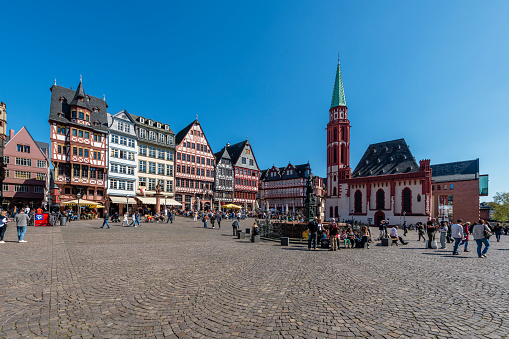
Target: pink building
<point x="26" y="171"/>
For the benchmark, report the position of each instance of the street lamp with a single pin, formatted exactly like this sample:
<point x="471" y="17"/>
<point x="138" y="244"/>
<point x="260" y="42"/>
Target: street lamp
<point x="78" y="195"/>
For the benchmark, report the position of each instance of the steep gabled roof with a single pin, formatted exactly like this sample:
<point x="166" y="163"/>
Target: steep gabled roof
<point x="44" y="147"/>
<point x="299" y="171"/>
<point x="183" y="132"/>
<point x="389" y="157"/>
<point x="57" y="106"/>
<point x="223" y="153"/>
<point x="456" y="171"/>
<point x="235" y="150"/>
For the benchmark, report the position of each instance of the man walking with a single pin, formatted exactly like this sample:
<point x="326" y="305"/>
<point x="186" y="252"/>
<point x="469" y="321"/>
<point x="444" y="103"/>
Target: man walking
<point x="313" y="228"/>
<point x="21" y="224"/>
<point x="170" y="217"/>
<point x="457" y="235"/>
<point x="106" y="218"/>
<point x="219" y="218"/>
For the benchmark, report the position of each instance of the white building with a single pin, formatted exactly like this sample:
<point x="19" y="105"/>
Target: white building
<point x="122" y="161"/>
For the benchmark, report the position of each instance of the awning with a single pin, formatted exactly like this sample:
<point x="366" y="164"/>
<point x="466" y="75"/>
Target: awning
<point x="171" y="202"/>
<point x="148" y="200"/>
<point x="83" y="202"/>
<point x="122" y="200"/>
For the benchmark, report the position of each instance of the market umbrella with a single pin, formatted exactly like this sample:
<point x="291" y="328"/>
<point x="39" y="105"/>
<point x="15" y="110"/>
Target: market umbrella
<point x="232" y="206"/>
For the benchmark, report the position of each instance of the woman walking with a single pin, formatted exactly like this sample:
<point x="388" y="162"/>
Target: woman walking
<point x="466" y="234"/>
<point x="3" y="226"/>
<point x="333" y="235"/>
<point x="498" y="231"/>
<point x="481" y="234"/>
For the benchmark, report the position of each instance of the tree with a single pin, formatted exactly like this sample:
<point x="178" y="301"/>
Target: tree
<point x="500" y="206"/>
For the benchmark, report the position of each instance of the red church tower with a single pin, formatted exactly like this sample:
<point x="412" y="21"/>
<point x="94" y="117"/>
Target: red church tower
<point x="338" y="139"/>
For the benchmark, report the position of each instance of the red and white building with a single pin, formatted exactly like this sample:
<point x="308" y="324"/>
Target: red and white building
<point x="194" y="175"/>
<point x="283" y="189"/>
<point x="78" y="133"/>
<point x="246" y="175"/>
<point x="386" y="184"/>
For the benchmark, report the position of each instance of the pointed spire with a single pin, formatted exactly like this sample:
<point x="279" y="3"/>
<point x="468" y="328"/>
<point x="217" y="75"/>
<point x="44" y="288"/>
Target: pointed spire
<point x="79" y="96"/>
<point x="104" y="97"/>
<point x="338" y="95"/>
<point x="55" y="81"/>
<point x="196" y="117"/>
<point x="81" y="79"/>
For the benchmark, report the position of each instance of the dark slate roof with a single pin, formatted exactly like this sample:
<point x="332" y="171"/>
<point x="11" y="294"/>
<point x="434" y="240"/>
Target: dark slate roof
<point x="136" y="119"/>
<point x="80" y="94"/>
<point x="299" y="172"/>
<point x="389" y="157"/>
<point x="44" y="147"/>
<point x="223" y="153"/>
<point x="183" y="132"/>
<point x="68" y="94"/>
<point x="235" y="150"/>
<point x="456" y="171"/>
<point x="263" y="173"/>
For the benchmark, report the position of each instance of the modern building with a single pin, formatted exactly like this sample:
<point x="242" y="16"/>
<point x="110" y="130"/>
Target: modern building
<point x="283" y="189"/>
<point x="122" y="162"/>
<point x="26" y="172"/>
<point x="456" y="188"/>
<point x="194" y="177"/>
<point x="156" y="152"/>
<point x="3" y="137"/>
<point x="223" y="181"/>
<point x="387" y="182"/>
<point x="246" y="173"/>
<point x="78" y="134"/>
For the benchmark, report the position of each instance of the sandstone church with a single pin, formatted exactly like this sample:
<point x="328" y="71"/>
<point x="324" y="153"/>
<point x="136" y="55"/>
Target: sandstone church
<point x="387" y="182"/>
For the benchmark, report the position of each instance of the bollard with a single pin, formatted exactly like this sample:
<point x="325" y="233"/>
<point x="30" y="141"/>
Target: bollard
<point x="285" y="241"/>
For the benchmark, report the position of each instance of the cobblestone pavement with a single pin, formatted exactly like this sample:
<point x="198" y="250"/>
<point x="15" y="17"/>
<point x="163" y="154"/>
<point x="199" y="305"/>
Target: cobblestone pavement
<point x="180" y="280"/>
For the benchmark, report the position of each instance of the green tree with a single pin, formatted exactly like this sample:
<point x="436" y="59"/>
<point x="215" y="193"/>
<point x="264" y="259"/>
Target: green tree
<point x="500" y="206"/>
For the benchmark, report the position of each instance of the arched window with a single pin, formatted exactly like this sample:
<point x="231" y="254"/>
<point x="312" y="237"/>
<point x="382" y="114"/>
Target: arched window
<point x="330" y="212"/>
<point x="343" y="148"/>
<point x="407" y="200"/>
<point x="336" y="213"/>
<point x="418" y="198"/>
<point x="335" y="155"/>
<point x="334" y="192"/>
<point x="358" y="202"/>
<point x="335" y="134"/>
<point x="380" y="199"/>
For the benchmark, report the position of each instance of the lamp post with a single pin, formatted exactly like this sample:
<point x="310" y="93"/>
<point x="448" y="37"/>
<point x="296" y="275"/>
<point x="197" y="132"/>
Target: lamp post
<point x="78" y="195"/>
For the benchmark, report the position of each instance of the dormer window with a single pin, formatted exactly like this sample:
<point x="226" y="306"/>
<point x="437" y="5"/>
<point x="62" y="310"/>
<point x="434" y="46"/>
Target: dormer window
<point x="87" y="117"/>
<point x="62" y="99"/>
<point x="73" y="114"/>
<point x="81" y="99"/>
<point x="96" y="123"/>
<point x="142" y="120"/>
<point x="95" y="109"/>
<point x="158" y="125"/>
<point x="61" y="114"/>
<point x="150" y="123"/>
<point x="166" y="127"/>
<point x="88" y="98"/>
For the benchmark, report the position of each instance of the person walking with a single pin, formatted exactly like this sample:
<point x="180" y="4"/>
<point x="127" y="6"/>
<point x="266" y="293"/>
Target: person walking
<point x="21" y="224"/>
<point x="205" y="217"/>
<point x="457" y="235"/>
<point x="212" y="220"/>
<point x="405" y="229"/>
<point x="106" y="218"/>
<point x="333" y="235"/>
<point x="498" y="231"/>
<point x="420" y="231"/>
<point x="219" y="218"/>
<point x="313" y="229"/>
<point x="466" y="234"/>
<point x="125" y="220"/>
<point x="170" y="217"/>
<point x="443" y="234"/>
<point x="431" y="232"/>
<point x="481" y="234"/>
<point x="3" y="226"/>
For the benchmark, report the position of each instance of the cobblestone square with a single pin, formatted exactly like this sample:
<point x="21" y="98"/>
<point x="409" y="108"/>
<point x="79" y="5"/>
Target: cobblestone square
<point x="183" y="281"/>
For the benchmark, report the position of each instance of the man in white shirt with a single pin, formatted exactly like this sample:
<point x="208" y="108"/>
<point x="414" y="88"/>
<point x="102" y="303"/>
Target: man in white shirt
<point x="457" y="234"/>
<point x="394" y="235"/>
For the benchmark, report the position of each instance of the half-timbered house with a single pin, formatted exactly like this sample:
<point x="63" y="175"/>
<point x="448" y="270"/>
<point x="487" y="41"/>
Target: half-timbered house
<point x="78" y="134"/>
<point x="223" y="184"/>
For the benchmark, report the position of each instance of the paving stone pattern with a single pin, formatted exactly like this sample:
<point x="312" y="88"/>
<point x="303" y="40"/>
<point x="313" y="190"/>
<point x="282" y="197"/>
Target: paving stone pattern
<point x="181" y="280"/>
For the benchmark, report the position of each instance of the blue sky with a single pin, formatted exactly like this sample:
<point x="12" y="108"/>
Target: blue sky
<point x="432" y="72"/>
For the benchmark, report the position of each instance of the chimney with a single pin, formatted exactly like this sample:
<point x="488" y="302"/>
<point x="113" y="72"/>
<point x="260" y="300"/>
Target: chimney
<point x="11" y="134"/>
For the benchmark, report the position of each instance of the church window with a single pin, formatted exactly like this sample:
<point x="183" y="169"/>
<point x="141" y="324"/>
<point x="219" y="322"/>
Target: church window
<point x="343" y="154"/>
<point x="334" y="192"/>
<point x="418" y="198"/>
<point x="407" y="200"/>
<point x="330" y="212"/>
<point x="358" y="202"/>
<point x="335" y="134"/>
<point x="335" y="155"/>
<point x="336" y="213"/>
<point x="380" y="199"/>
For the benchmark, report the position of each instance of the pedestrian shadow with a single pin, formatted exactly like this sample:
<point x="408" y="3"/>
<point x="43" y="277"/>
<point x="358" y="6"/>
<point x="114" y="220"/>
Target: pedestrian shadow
<point x="502" y="249"/>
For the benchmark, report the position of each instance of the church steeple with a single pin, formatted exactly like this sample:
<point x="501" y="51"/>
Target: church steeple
<point x="338" y="95"/>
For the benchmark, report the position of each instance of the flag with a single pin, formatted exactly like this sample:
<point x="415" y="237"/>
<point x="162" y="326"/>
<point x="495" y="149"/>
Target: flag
<point x="142" y="191"/>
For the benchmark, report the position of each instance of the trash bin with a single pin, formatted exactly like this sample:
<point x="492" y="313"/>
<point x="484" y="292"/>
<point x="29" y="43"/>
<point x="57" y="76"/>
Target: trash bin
<point x="385" y="241"/>
<point x="285" y="241"/>
<point x="63" y="220"/>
